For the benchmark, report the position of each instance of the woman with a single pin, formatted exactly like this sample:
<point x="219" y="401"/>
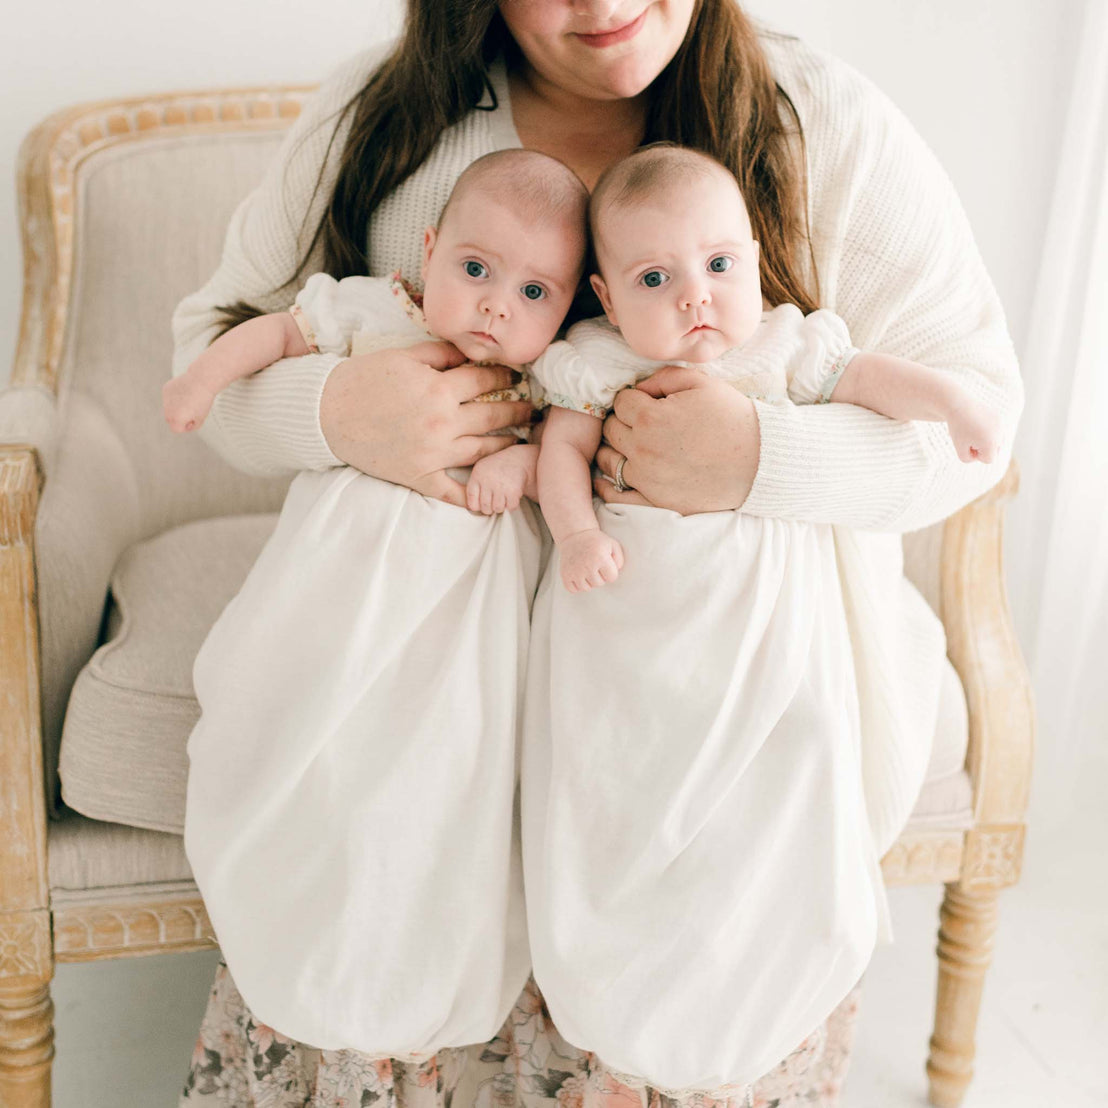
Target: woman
<point x="853" y="214"/>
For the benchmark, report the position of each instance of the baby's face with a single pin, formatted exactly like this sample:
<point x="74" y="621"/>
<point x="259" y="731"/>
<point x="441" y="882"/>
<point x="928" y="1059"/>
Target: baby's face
<point x="496" y="285"/>
<point x="680" y="271"/>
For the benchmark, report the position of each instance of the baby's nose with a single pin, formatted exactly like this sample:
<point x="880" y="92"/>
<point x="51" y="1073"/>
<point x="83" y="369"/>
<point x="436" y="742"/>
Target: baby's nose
<point x="495" y="306"/>
<point x="694" y="295"/>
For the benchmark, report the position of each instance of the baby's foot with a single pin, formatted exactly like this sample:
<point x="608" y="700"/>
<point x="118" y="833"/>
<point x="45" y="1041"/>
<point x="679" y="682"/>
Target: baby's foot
<point x="186" y="403"/>
<point x="589" y="559"/>
<point x="498" y="482"/>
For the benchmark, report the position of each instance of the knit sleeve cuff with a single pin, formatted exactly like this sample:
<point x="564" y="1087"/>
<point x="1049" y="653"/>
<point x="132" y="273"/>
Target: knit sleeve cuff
<point x="269" y="423"/>
<point x="835" y="463"/>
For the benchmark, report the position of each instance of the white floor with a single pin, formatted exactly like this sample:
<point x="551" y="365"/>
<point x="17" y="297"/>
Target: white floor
<point x="125" y="1029"/>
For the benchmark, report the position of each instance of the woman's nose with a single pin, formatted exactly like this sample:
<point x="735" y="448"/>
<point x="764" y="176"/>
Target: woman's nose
<point x="601" y="11"/>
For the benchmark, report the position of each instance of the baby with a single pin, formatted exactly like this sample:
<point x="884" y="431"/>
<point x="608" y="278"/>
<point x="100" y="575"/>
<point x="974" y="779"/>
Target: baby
<point x="702" y="884"/>
<point x="349" y="814"/>
<point x="678" y="280"/>
<point x="484" y="291"/>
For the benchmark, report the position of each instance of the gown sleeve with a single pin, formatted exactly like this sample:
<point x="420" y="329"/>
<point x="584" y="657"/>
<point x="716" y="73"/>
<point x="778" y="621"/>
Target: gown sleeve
<point x="584" y="372"/>
<point x="821" y="351"/>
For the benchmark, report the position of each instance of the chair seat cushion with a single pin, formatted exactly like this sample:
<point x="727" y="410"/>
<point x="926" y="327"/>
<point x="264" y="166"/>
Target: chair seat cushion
<point x="86" y="855"/>
<point x="132" y="708"/>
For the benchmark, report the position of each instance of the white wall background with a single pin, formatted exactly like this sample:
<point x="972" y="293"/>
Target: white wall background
<point x="985" y="82"/>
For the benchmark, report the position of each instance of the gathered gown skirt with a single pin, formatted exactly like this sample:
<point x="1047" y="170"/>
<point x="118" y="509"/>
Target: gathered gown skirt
<point x="351" y="808"/>
<point x="702" y="887"/>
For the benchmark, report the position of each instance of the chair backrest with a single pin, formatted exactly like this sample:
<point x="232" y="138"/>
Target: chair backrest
<point x="150" y="209"/>
<point x="124" y="209"/>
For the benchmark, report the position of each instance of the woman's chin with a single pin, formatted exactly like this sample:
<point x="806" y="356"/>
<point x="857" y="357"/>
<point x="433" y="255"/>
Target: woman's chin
<point x="626" y="82"/>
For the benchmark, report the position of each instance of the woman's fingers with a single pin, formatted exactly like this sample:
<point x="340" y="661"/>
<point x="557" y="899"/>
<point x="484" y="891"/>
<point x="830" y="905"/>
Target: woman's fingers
<point x="437" y="355"/>
<point x="629" y="404"/>
<point x="470" y="448"/>
<point x="497" y="415"/>
<point x="471" y="381"/>
<point x="618" y="435"/>
<point x="671" y="378"/>
<point x="607" y="492"/>
<point x="607" y="461"/>
<point x="442" y="486"/>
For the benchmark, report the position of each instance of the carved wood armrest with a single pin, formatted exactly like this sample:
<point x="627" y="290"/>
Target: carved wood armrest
<point x="982" y="644"/>
<point x="22" y="798"/>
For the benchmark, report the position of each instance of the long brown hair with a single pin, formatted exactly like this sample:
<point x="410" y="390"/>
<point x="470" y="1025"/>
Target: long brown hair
<point x="716" y="95"/>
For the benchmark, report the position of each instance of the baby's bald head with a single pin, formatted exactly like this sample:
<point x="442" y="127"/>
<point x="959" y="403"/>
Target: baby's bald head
<point x="536" y="187"/>
<point x="651" y="175"/>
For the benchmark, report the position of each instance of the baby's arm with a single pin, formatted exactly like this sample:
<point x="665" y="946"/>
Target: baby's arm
<point x="245" y="349"/>
<point x="589" y="557"/>
<point x="901" y="389"/>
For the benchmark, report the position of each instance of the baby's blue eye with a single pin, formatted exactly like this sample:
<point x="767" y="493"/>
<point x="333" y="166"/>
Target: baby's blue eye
<point x="533" y="292"/>
<point x="476" y="269"/>
<point x="721" y="263"/>
<point x="654" y="278"/>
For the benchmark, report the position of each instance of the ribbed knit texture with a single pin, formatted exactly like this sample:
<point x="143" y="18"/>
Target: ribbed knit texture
<point x="893" y="249"/>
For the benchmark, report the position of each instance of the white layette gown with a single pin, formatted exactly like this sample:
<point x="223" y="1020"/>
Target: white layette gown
<point x="353" y="775"/>
<point x="702" y="886"/>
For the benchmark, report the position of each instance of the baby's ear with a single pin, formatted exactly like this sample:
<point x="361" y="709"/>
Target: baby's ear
<point x="601" y="290"/>
<point x="429" y="237"/>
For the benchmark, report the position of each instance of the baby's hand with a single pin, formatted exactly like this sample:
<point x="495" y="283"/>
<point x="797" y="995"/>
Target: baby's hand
<point x="975" y="431"/>
<point x="186" y="403"/>
<point x="499" y="481"/>
<point x="589" y="559"/>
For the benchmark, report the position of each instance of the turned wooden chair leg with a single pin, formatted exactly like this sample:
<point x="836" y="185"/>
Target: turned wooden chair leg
<point x="967" y="924"/>
<point x="26" y="1042"/>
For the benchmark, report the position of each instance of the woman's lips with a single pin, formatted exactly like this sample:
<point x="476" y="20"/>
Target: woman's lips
<point x="620" y="34"/>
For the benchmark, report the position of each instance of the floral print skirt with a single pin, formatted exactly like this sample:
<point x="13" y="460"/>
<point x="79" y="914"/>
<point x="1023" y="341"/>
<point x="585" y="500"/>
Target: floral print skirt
<point x="240" y="1063"/>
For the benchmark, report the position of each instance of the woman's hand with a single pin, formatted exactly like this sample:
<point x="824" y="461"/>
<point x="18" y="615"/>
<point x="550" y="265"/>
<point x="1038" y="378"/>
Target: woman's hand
<point x="691" y="442"/>
<point x="403" y="416"/>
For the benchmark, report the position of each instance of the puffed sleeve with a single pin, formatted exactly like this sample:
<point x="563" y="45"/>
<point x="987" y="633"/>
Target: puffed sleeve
<point x="269" y="422"/>
<point x="329" y="313"/>
<point x="584" y="372"/>
<point x="819" y="353"/>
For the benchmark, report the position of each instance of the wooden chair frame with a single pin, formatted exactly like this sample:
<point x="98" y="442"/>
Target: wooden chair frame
<point x="974" y="864"/>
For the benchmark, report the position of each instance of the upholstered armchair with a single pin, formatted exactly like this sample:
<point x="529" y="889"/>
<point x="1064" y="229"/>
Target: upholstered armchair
<point x="120" y="543"/>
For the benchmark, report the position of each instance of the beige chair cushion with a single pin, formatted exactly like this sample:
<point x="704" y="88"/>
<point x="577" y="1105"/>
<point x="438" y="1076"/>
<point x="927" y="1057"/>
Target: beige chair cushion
<point x="123" y="756"/>
<point x="132" y="707"/>
<point x="86" y="854"/>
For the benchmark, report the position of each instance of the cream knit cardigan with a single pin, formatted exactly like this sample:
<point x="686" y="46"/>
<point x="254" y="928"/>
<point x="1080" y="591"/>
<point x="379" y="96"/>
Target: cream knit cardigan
<point x="895" y="258"/>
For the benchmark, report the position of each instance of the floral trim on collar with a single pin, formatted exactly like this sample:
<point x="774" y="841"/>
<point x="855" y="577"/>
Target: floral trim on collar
<point x="410" y="299"/>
